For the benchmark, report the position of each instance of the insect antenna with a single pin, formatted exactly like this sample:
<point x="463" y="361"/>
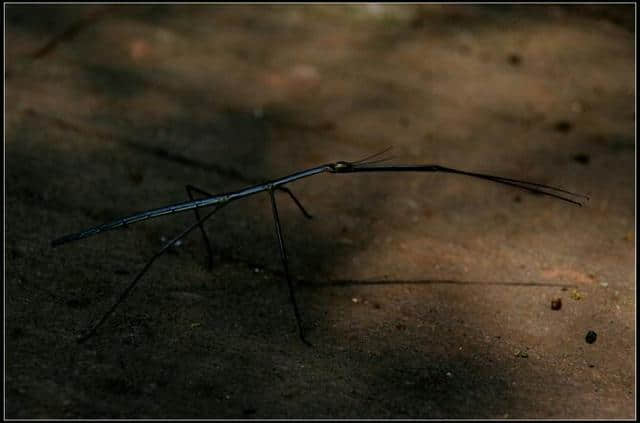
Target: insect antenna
<point x="372" y="156"/>
<point x="381" y="160"/>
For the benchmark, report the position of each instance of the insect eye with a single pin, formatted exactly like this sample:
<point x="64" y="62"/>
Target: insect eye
<point x="342" y="166"/>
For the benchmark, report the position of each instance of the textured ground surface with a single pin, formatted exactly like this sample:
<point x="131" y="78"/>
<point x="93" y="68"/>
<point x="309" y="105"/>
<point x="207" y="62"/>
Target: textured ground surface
<point x="424" y="295"/>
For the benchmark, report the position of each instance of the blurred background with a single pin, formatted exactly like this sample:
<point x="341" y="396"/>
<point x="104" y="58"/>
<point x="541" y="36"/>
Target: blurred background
<point x="425" y="296"/>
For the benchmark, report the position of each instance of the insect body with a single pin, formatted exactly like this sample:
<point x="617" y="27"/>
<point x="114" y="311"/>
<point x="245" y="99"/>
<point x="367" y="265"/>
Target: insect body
<point x="217" y="201"/>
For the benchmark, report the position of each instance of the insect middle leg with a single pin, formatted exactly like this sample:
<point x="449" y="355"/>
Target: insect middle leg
<point x="285" y="264"/>
<point x="191" y="189"/>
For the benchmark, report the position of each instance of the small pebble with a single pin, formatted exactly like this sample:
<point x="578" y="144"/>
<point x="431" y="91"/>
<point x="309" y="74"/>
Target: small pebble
<point x="514" y="59"/>
<point x="355" y="300"/>
<point x="556" y="304"/>
<point x="591" y="337"/>
<point x="563" y="126"/>
<point x="582" y="158"/>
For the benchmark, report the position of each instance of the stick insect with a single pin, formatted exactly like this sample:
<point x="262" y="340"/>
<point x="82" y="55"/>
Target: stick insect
<point x="372" y="163"/>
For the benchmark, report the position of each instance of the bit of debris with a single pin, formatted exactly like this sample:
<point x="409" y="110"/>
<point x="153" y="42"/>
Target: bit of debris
<point x="355" y="300"/>
<point x="514" y="59"/>
<point x="522" y="354"/>
<point x="575" y="295"/>
<point x="173" y="249"/>
<point x="591" y="337"/>
<point x="604" y="284"/>
<point x="449" y="374"/>
<point x="582" y="158"/>
<point x="563" y="126"/>
<point x="556" y="304"/>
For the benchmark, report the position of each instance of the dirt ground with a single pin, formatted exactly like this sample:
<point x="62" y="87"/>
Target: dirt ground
<point x="424" y="295"/>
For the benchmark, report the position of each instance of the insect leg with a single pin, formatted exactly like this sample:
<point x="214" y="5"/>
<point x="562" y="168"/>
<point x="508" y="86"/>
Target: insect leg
<point x="285" y="264"/>
<point x="124" y="293"/>
<point x="293" y="197"/>
<point x="207" y="244"/>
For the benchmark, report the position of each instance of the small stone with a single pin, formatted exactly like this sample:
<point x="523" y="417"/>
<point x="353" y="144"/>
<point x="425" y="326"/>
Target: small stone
<point x="449" y="374"/>
<point x="355" y="300"/>
<point x="576" y="295"/>
<point x="514" y="59"/>
<point x="591" y="337"/>
<point x="556" y="304"/>
<point x="582" y="158"/>
<point x="604" y="284"/>
<point x="563" y="126"/>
